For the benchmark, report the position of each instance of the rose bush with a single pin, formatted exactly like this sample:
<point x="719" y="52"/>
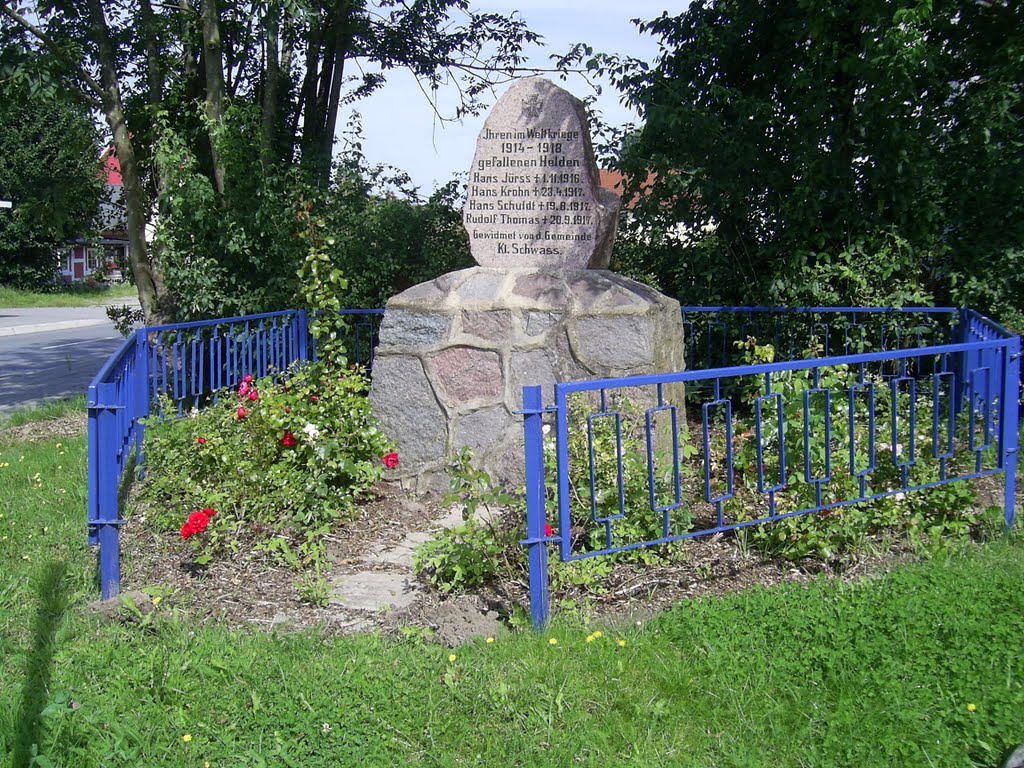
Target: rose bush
<point x="281" y="469"/>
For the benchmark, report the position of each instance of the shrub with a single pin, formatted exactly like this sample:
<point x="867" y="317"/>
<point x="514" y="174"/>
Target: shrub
<point x="280" y="459"/>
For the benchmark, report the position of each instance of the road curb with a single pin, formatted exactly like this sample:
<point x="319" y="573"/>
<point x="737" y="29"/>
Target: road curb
<point x="18" y="330"/>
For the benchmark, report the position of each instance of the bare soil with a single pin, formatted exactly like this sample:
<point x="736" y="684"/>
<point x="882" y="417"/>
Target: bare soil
<point x="252" y="591"/>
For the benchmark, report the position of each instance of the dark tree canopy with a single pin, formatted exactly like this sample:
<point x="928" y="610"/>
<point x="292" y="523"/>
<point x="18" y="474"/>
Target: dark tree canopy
<point x="826" y="152"/>
<point x="50" y="171"/>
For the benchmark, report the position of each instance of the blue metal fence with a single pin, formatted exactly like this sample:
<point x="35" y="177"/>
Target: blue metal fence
<point x="842" y="406"/>
<point x="854" y="404"/>
<point x="184" y="364"/>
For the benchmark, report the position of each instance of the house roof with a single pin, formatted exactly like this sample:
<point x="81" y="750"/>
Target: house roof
<point x="616" y="182"/>
<point x="111" y="167"/>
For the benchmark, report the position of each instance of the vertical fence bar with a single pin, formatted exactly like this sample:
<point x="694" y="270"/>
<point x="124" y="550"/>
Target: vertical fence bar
<point x="302" y="333"/>
<point x="93" y="469"/>
<point x="103" y="413"/>
<point x="141" y="391"/>
<point x="533" y="434"/>
<point x="1008" y="399"/>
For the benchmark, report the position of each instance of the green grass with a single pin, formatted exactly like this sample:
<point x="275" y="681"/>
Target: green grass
<point x="877" y="673"/>
<point x="80" y="297"/>
<point x="49" y="409"/>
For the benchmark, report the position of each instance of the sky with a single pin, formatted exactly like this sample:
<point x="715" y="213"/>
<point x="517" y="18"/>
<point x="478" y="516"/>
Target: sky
<point x="399" y="127"/>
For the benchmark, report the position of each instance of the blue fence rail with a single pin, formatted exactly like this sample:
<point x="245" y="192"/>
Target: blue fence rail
<point x="842" y="406"/>
<point x="177" y="368"/>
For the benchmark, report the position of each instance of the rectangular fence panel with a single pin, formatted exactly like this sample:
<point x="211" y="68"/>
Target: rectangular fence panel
<point x="911" y="401"/>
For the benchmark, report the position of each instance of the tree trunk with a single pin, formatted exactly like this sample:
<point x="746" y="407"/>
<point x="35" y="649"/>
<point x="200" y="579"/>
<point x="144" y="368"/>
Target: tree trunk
<point x="342" y="41"/>
<point x="214" y="67"/>
<point x="148" y="279"/>
<point x="154" y="80"/>
<point x="307" y="96"/>
<point x="272" y="85"/>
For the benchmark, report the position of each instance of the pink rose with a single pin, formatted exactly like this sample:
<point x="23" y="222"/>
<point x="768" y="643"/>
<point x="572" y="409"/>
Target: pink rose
<point x="391" y="460"/>
<point x="201" y="440"/>
<point x="247" y="378"/>
<point x="242" y="413"/>
<point x="254" y="395"/>
<point x="288" y="440"/>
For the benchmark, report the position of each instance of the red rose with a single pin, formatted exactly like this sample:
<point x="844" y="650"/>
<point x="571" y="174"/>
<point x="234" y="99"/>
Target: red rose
<point x="391" y="460"/>
<point x="242" y="413"/>
<point x="288" y="440"/>
<point x="209" y="511"/>
<point x="254" y="395"/>
<point x="201" y="440"/>
<point x="196" y="523"/>
<point x="314" y="398"/>
<point x="287" y="410"/>
<point x="548" y="530"/>
<point x="199" y="520"/>
<point x="247" y="378"/>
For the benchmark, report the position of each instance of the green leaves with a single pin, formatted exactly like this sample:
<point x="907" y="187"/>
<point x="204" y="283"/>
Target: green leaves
<point x="830" y="149"/>
<point x="272" y="492"/>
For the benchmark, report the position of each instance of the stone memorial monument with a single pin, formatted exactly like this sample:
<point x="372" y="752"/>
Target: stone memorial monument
<point x="454" y="353"/>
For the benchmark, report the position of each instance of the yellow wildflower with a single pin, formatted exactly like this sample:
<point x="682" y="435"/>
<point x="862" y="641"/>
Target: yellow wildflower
<point x="489" y="640"/>
<point x="972" y="707"/>
<point x="187" y="738"/>
<point x="452" y="657"/>
<point x="599" y="633"/>
<point x="590" y="638"/>
<point x="156" y="600"/>
<point x="622" y="643"/>
<point x="553" y="641"/>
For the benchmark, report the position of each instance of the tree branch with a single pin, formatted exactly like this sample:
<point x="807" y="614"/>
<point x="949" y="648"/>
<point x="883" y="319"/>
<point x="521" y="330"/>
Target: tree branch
<point x="46" y="40"/>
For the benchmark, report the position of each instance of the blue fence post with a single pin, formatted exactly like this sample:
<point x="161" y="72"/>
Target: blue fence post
<point x="536" y="540"/>
<point x="141" y="384"/>
<point x="303" y="333"/>
<point x="107" y="519"/>
<point x="1008" y="423"/>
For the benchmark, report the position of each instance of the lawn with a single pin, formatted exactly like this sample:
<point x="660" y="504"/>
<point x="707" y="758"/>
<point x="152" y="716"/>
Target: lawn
<point x="80" y="297"/>
<point x="921" y="667"/>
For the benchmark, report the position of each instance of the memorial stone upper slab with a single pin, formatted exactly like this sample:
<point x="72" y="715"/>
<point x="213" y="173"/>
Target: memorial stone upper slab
<point x="533" y="198"/>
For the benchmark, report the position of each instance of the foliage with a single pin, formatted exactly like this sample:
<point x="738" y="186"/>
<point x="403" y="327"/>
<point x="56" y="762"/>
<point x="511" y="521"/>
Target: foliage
<point x="469" y="555"/>
<point x="486" y="544"/>
<point x="235" y="254"/>
<point x="49" y="170"/>
<point x="248" y="251"/>
<point x="271" y="78"/>
<point x="820" y="153"/>
<point x="387" y="237"/>
<point x="279" y="469"/>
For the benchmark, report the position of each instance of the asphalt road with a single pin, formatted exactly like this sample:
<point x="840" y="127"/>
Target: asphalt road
<point x="53" y="363"/>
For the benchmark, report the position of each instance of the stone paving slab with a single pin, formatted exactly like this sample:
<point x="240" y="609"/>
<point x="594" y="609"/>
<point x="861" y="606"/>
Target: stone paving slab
<point x="374" y="590"/>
